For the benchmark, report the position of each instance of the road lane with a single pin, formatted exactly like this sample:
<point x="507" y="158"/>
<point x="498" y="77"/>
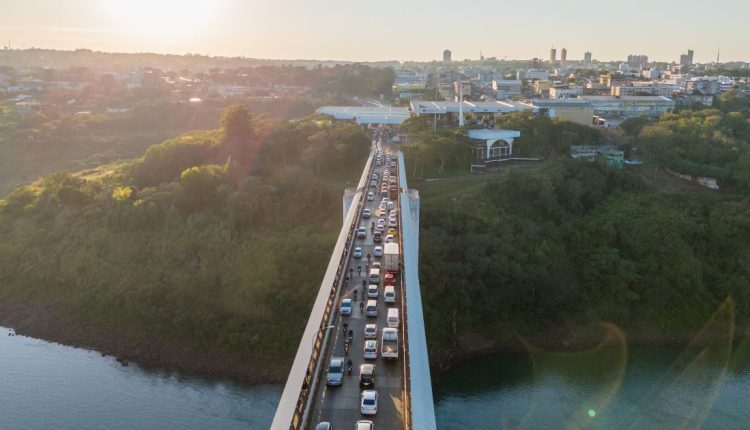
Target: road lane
<point x="340" y="405"/>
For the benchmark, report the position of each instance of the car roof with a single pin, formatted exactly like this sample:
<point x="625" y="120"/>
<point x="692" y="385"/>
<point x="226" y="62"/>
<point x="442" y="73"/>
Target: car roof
<point x="337" y="360"/>
<point x="349" y="301"/>
<point x="367" y="368"/>
<point x="369" y="394"/>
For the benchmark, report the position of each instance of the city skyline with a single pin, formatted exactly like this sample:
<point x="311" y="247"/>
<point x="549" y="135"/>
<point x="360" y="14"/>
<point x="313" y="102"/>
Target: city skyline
<point x="338" y="30"/>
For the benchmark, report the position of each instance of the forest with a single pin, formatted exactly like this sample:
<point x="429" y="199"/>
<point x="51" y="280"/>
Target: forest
<point x="206" y="252"/>
<point x="190" y="256"/>
<point x="571" y="244"/>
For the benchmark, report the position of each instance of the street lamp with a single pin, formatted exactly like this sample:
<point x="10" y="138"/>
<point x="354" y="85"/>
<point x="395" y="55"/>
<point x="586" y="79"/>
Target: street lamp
<point x="321" y="329"/>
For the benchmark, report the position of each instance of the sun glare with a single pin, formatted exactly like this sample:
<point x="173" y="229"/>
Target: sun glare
<point x="166" y="19"/>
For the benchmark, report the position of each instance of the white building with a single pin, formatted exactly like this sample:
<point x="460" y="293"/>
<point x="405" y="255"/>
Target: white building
<point x="497" y="145"/>
<point x="506" y="87"/>
<point x="538" y="74"/>
<point x="565" y="92"/>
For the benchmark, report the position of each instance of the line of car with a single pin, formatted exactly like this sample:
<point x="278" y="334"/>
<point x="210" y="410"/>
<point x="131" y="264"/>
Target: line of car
<point x="389" y="335"/>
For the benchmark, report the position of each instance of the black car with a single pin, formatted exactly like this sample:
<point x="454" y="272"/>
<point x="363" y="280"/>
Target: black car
<point x="367" y="376"/>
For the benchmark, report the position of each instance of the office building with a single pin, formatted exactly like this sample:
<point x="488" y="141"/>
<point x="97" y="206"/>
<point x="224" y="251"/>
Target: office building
<point x="574" y="110"/>
<point x="537" y="74"/>
<point x="629" y="106"/>
<point x="446" y="56"/>
<point x="687" y="59"/>
<point x="587" y="57"/>
<point x="635" y="61"/>
<point x="506" y="87"/>
<point x="707" y="85"/>
<point x="612" y="79"/>
<point x="643" y="88"/>
<point x="552" y="55"/>
<point x="563" y="55"/>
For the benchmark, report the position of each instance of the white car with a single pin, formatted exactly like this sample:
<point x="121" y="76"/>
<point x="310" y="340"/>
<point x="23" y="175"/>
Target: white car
<point x="368" y="404"/>
<point x="364" y="425"/>
<point x="371" y="331"/>
<point x="376" y="265"/>
<point x="372" y="291"/>
<point x="357" y="252"/>
<point x="371" y="350"/>
<point x="392" y="223"/>
<point x="370" y="196"/>
<point x="362" y="232"/>
<point x="366" y="213"/>
<point x="378" y="251"/>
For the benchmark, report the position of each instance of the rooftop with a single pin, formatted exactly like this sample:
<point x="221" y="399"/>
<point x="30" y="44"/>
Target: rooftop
<point x="367" y="114"/>
<point x="441" y="107"/>
<point x="627" y="98"/>
<point x="493" y="133"/>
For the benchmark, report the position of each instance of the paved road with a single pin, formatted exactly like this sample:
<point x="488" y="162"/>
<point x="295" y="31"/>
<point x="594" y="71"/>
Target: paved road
<point x="340" y="405"/>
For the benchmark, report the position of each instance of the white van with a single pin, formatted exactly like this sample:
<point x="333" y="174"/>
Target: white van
<point x="374" y="276"/>
<point x="371" y="310"/>
<point x="393" y="319"/>
<point x="390" y="294"/>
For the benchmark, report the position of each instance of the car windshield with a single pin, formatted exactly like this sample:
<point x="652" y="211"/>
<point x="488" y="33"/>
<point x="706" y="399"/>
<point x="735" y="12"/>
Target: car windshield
<point x="334" y="369"/>
<point x="369" y="402"/>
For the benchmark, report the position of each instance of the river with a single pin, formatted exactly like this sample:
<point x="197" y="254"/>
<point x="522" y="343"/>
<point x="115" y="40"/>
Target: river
<point x="45" y="385"/>
<point x="49" y="386"/>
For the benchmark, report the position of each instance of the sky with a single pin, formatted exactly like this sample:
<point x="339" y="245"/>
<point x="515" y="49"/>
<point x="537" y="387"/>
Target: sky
<point x="372" y="30"/>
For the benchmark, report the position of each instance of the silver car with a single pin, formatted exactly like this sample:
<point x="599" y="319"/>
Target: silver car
<point x="335" y="374"/>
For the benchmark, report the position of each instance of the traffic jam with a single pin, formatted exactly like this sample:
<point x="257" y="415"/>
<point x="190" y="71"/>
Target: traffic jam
<point x="370" y="304"/>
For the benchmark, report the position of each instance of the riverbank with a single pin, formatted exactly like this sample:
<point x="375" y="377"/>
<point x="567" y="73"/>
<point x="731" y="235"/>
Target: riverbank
<point x="46" y="322"/>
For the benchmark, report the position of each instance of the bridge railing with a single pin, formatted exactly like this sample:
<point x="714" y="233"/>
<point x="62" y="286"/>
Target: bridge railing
<point x="403" y="204"/>
<point x="301" y="416"/>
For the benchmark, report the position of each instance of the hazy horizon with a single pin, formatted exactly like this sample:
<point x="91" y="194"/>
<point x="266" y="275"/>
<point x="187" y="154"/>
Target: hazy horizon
<point x="334" y="30"/>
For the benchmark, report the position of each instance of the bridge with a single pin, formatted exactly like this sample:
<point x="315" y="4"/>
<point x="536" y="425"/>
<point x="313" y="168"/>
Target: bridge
<point x="312" y="394"/>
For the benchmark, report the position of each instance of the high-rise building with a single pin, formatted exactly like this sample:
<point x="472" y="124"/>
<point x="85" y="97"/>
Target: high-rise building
<point x="536" y="63"/>
<point x="687" y="59"/>
<point x="587" y="57"/>
<point x="447" y="56"/>
<point x="563" y="55"/>
<point x="635" y="61"/>
<point x="552" y="55"/>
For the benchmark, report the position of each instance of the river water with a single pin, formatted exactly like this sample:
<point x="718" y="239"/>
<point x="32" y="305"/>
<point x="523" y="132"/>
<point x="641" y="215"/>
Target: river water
<point x="50" y="386"/>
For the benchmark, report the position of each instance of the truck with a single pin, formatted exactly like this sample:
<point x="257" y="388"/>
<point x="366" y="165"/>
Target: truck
<point x="389" y="344"/>
<point x="390" y="257"/>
